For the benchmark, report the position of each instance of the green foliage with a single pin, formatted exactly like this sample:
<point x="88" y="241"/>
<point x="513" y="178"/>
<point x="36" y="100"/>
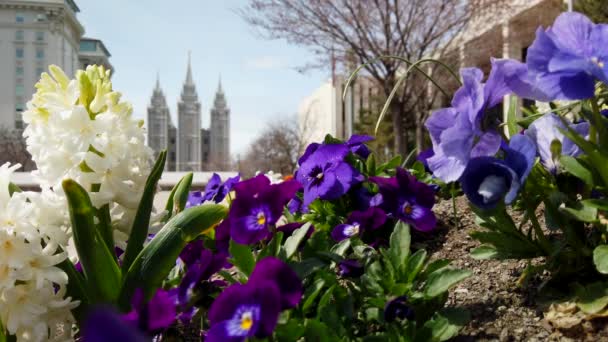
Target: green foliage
<point x="596" y="10"/>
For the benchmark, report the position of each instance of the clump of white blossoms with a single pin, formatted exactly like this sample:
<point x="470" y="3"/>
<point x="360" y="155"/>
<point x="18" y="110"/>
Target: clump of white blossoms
<point x="80" y="129"/>
<point x="32" y="287"/>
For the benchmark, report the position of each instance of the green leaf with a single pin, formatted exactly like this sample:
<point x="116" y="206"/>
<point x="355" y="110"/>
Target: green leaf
<point x="76" y="288"/>
<point x="312" y="292"/>
<point x="181" y="193"/>
<point x="399" y="244"/>
<point x="592" y="298"/>
<point x="308" y="266"/>
<point x="442" y="280"/>
<point x="371" y="165"/>
<point x="293" y="242"/>
<point x="12" y="188"/>
<point x="484" y="252"/>
<point x="512" y="116"/>
<point x="444" y="325"/>
<point x="318" y="332"/>
<point x="273" y="247"/>
<point x="582" y="212"/>
<point x="600" y="258"/>
<point x="601" y="204"/>
<point x="141" y="222"/>
<point x="105" y="226"/>
<point x="242" y="257"/>
<point x="169" y="205"/>
<point x="341" y="247"/>
<point x="415" y="264"/>
<point x="290" y="331"/>
<point x="573" y="166"/>
<point x="98" y="264"/>
<point x="157" y="259"/>
<point x="435" y="266"/>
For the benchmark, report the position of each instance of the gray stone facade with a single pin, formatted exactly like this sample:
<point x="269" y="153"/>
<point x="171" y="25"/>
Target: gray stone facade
<point x="219" y="151"/>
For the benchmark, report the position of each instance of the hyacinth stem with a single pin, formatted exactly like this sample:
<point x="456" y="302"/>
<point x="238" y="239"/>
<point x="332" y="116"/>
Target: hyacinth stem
<point x="531" y="213"/>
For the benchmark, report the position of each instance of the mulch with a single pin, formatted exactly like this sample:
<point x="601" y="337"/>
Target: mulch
<point x="500" y="309"/>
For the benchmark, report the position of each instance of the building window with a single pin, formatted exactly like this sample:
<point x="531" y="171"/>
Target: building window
<point x="19" y="52"/>
<point x="19" y="35"/>
<point x="41" y="17"/>
<point x="39" y="71"/>
<point x="19" y="71"/>
<point x="39" y="36"/>
<point x="39" y="53"/>
<point x="19" y="90"/>
<point x="20" y="17"/>
<point x="19" y="107"/>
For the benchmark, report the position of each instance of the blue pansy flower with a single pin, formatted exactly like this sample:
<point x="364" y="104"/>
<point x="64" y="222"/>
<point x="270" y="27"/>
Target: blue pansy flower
<point x="563" y="62"/>
<point x="545" y="130"/>
<point x="467" y="129"/>
<point x="487" y="180"/>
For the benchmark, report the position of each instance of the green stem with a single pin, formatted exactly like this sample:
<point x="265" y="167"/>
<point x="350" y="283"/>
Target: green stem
<point x="538" y="231"/>
<point x="454" y="209"/>
<point x="597" y="117"/>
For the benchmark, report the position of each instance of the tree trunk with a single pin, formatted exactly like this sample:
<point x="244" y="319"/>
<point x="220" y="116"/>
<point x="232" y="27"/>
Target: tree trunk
<point x="399" y="132"/>
<point x="419" y="133"/>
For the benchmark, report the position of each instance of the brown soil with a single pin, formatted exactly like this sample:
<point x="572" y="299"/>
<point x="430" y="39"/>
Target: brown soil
<point x="500" y="310"/>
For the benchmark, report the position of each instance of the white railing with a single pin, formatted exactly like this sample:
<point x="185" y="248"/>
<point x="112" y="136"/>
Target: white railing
<point x="25" y="180"/>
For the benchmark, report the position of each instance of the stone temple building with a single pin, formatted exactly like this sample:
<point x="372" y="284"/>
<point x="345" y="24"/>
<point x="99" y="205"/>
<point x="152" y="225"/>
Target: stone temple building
<point x="190" y="147"/>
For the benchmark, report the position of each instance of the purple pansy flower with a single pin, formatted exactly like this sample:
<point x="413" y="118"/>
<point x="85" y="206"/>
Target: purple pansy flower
<point x="243" y="311"/>
<point x="214" y="191"/>
<point x="252" y="310"/>
<point x="103" y="324"/>
<point x="357" y="222"/>
<point x="201" y="264"/>
<point x="350" y="268"/>
<point x="398" y="308"/>
<point x="325" y="174"/>
<point x="486" y="181"/>
<point x="408" y="199"/>
<point x="423" y="157"/>
<point x="364" y="199"/>
<point x="545" y="130"/>
<point x="466" y="130"/>
<point x="156" y="314"/>
<point x="257" y="206"/>
<point x="275" y="270"/>
<point x="356" y="144"/>
<point x="563" y="61"/>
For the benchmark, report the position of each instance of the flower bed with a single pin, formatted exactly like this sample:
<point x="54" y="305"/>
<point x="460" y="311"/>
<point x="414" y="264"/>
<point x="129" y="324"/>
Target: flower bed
<point x="334" y="252"/>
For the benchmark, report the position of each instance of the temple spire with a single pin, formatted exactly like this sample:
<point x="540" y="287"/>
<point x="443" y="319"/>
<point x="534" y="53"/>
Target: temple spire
<point x="189" y="80"/>
<point x="157" y="80"/>
<point x="219" y="85"/>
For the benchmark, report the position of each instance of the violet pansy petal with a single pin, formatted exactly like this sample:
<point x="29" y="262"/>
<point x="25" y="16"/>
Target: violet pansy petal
<point x="288" y="282"/>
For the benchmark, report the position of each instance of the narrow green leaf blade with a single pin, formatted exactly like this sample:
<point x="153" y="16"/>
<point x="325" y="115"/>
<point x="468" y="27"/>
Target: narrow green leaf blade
<point x="181" y="193"/>
<point x="512" y="117"/>
<point x="141" y="223"/>
<point x="157" y="259"/>
<point x="100" y="269"/>
<point x="573" y="166"/>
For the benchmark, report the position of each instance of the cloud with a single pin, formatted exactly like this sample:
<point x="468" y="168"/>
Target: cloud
<point x="266" y="62"/>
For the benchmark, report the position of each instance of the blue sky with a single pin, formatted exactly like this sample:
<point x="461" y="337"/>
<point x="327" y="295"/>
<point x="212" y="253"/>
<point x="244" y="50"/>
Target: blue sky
<point x="146" y="36"/>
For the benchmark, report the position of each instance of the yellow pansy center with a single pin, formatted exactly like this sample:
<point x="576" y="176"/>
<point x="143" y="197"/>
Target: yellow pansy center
<point x="261" y="219"/>
<point x="407" y="209"/>
<point x="246" y="321"/>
